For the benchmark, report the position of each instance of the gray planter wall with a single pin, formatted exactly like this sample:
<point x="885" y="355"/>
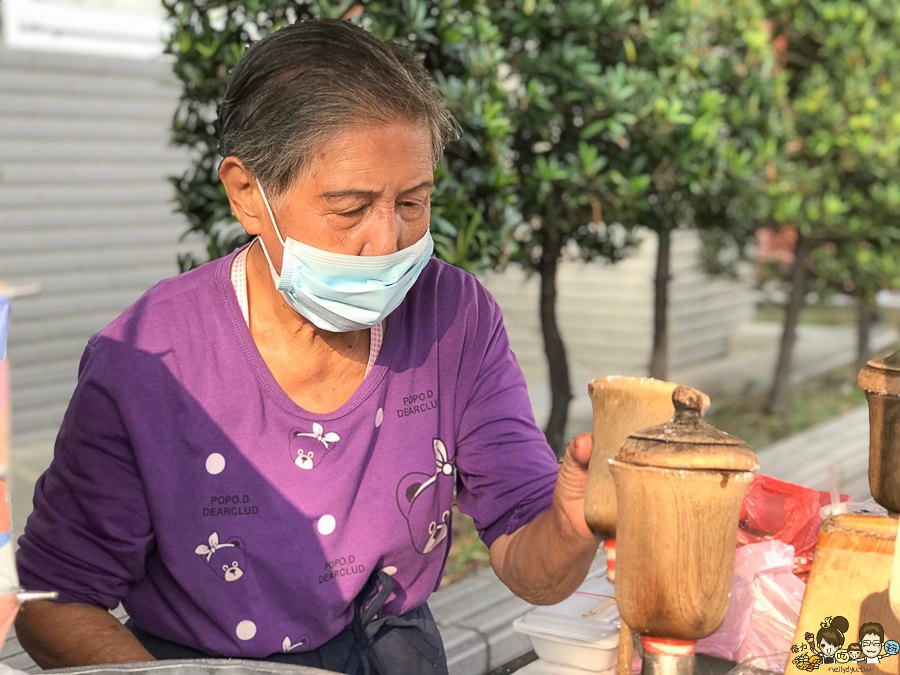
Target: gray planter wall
<point x="605" y="314"/>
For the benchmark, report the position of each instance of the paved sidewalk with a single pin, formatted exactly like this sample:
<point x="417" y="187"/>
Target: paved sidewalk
<point x="833" y="455"/>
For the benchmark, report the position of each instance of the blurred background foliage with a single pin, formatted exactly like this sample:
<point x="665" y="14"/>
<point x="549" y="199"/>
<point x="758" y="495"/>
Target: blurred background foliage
<point x="840" y="189"/>
<point x="583" y="120"/>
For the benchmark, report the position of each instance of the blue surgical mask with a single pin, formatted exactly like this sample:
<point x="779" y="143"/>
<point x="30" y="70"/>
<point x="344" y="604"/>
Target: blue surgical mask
<point x="341" y="293"/>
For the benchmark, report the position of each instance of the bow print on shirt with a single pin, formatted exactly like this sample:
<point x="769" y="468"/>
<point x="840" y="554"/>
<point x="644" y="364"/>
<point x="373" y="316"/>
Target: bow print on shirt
<point x="227" y="559"/>
<point x="308" y="448"/>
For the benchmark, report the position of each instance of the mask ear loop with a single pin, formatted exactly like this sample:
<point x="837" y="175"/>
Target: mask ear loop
<point x="274" y="225"/>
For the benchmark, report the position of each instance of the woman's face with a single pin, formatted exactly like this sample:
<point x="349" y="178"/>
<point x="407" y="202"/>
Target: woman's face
<point x="368" y="193"/>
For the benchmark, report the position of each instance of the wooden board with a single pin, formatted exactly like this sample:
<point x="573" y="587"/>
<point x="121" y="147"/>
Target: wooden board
<point x="850" y="577"/>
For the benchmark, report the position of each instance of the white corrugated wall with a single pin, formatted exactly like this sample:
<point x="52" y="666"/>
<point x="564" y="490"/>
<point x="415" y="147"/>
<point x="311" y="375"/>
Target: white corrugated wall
<point x="85" y="210"/>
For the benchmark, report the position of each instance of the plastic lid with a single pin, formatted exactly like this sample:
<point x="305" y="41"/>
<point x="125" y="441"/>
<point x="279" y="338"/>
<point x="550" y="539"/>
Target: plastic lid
<point x="687" y="441"/>
<point x="566" y="619"/>
<point x="882" y="377"/>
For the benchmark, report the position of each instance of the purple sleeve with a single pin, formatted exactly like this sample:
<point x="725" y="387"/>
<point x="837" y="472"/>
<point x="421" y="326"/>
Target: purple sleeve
<point x="90" y="530"/>
<point x="507" y="472"/>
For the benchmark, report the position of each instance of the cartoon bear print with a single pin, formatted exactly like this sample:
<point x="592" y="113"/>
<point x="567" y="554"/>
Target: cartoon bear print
<point x="308" y="448"/>
<point x="418" y="497"/>
<point x="227" y="559"/>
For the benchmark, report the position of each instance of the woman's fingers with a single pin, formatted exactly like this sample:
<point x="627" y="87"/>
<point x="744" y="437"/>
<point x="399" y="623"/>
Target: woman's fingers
<point x="580" y="449"/>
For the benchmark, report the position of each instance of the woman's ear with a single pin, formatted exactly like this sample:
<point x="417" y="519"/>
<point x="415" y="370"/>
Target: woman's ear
<point x="243" y="194"/>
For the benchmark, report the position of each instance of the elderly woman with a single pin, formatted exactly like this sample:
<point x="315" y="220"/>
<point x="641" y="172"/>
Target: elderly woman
<point x="260" y="457"/>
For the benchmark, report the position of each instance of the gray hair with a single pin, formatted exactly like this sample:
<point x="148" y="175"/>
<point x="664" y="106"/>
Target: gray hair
<point x="306" y="83"/>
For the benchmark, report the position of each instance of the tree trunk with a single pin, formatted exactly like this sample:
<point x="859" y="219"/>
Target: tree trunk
<point x="659" y="361"/>
<point x="864" y="320"/>
<point x="560" y="387"/>
<point x="779" y="397"/>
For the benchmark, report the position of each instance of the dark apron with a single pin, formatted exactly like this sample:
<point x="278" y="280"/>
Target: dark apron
<point x="371" y="645"/>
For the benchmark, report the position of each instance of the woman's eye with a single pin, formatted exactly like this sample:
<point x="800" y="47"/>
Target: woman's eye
<point x="355" y="213"/>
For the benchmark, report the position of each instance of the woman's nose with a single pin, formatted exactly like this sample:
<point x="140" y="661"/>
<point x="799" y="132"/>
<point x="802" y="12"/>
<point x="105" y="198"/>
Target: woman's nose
<point x="386" y="230"/>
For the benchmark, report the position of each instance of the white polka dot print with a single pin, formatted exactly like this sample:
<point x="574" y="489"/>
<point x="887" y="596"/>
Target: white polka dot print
<point x="326" y="524"/>
<point x="246" y="630"/>
<point x="379" y="417"/>
<point x="215" y="463"/>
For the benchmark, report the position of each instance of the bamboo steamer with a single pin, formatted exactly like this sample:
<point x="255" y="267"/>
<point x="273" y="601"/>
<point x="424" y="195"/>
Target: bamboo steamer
<point x="622" y="405"/>
<point x="881" y="382"/>
<point x="679" y="488"/>
<point x="851" y="576"/>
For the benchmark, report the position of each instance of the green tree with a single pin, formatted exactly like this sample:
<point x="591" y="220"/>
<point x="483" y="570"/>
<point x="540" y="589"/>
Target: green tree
<point x="664" y="115"/>
<point x="842" y="187"/>
<point x="701" y="128"/>
<point x="555" y="52"/>
<point x="473" y="205"/>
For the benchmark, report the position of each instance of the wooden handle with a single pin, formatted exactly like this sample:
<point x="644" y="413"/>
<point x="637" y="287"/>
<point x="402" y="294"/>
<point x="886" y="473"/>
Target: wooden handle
<point x="626" y="646"/>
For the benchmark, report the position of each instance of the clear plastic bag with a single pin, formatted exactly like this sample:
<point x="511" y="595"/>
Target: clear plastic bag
<point x="763" y="610"/>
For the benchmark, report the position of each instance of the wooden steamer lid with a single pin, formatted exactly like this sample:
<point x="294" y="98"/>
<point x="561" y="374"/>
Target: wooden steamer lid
<point x="687" y="441"/>
<point x="881" y="377"/>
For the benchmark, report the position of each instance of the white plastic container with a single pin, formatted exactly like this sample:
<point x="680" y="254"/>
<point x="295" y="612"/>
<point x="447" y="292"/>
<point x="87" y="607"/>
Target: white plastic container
<point x="562" y="634"/>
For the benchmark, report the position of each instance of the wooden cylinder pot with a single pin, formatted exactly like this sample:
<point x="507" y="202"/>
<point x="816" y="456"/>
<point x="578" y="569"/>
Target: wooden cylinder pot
<point x="679" y="489"/>
<point x="675" y="548"/>
<point x="622" y="405"/>
<point x="881" y="382"/>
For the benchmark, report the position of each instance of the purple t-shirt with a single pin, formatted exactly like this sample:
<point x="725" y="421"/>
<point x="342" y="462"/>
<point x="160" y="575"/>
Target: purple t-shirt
<point x="186" y="484"/>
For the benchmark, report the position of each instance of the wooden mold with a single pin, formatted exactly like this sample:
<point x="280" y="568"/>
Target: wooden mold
<point x="881" y="382"/>
<point x="622" y="405"/>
